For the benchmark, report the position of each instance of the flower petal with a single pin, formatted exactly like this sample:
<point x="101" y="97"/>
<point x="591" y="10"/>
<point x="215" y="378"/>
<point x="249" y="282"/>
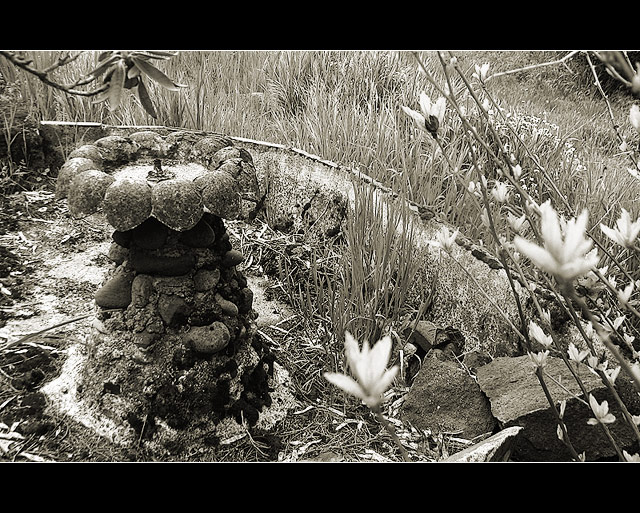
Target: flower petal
<point x="378" y="358"/>
<point x="425" y="104"/>
<point x="346" y="383"/>
<point x="614" y="235"/>
<point x="539" y="256"/>
<point x="387" y="378"/>
<point x="416" y="116"/>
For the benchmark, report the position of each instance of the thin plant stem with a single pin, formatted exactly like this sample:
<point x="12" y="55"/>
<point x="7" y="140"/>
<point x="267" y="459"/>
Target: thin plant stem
<point x="571" y="297"/>
<point x="389" y="428"/>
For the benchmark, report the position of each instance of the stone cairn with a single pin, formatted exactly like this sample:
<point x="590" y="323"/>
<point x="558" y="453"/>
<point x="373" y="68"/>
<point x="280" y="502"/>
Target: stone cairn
<point x="174" y="356"/>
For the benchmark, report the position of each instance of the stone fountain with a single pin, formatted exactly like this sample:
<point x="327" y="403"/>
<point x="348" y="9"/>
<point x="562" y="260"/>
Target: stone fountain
<point x="173" y="359"/>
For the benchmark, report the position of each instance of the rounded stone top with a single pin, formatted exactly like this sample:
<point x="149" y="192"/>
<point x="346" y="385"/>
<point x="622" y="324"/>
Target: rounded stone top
<point x="175" y="179"/>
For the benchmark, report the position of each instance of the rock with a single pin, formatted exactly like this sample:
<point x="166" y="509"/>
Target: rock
<point x="200" y="236"/>
<point x="141" y="290"/>
<point x="205" y="309"/>
<point x="71" y="168"/>
<point x="205" y="149"/>
<point x="495" y="448"/>
<point x="86" y="191"/>
<point x="117" y="254"/>
<point x="181" y="143"/>
<point x="206" y="279"/>
<point x="227" y="306"/>
<point x="127" y="203"/>
<point x="245" y="173"/>
<point x="448" y="341"/>
<point x="517" y="398"/>
<point x="444" y="398"/>
<point x="115" y="293"/>
<point x="476" y="359"/>
<point x="327" y="457"/>
<point x="116" y="149"/>
<point x="177" y="203"/>
<point x="151" y="234"/>
<point x="173" y="309"/>
<point x="144" y="339"/>
<point x="246" y="300"/>
<point x="145" y="263"/>
<point x="208" y="339"/>
<point x="150" y="143"/>
<point x="122" y="238"/>
<point x="220" y="194"/>
<point x="227" y="153"/>
<point x="231" y="258"/>
<point x="88" y="151"/>
<point x="422" y="334"/>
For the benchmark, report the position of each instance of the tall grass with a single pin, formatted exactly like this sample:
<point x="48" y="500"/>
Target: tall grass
<point x="345" y="106"/>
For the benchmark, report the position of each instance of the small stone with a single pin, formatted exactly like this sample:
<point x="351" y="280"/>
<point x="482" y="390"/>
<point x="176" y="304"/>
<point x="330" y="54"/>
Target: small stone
<point x="200" y="236"/>
<point x="69" y="170"/>
<point x="141" y="290"/>
<point x="422" y="334"/>
<point x="117" y="254"/>
<point x="145" y="263"/>
<point x="88" y="151"/>
<point x="208" y="339"/>
<point x="231" y="258"/>
<point x="116" y="149"/>
<point x="122" y="238"/>
<point x="116" y="293"/>
<point x="177" y="203"/>
<point x="246" y="300"/>
<point x="127" y="203"/>
<point x="227" y="306"/>
<point x="173" y="310"/>
<point x="206" y="279"/>
<point x="144" y="339"/>
<point x="86" y="191"/>
<point x="151" y="234"/>
<point x="150" y="143"/>
<point x="205" y="309"/>
<point x="496" y="448"/>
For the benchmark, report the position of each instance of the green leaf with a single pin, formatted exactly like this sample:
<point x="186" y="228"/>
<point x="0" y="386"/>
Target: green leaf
<point x="157" y="75"/>
<point x="116" y="85"/>
<point x="145" y="100"/>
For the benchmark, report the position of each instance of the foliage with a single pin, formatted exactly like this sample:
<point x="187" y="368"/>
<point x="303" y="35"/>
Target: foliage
<point x="126" y="70"/>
